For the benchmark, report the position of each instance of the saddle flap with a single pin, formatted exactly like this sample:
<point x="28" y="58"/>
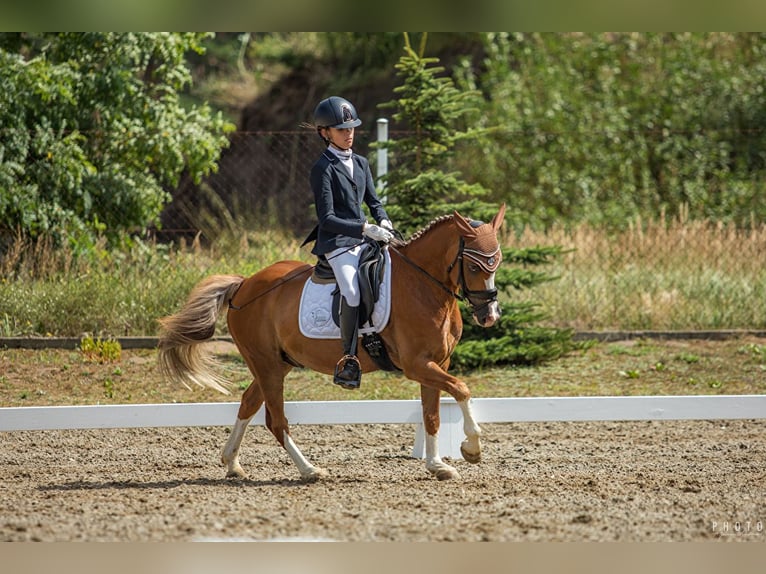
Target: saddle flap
<point x="371" y="269"/>
<point x="372" y="265"/>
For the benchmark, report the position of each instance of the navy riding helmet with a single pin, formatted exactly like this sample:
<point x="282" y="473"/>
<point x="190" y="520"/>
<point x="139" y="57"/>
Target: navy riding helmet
<point x="336" y="112"/>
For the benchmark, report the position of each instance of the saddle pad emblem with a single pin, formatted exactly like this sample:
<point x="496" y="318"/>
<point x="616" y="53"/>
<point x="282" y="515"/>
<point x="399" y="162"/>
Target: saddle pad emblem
<point x="320" y="317"/>
<point x="315" y="311"/>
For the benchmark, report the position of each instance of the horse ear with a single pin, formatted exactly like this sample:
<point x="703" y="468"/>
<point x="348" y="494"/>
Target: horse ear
<point x="464" y="226"/>
<point x="497" y="221"/>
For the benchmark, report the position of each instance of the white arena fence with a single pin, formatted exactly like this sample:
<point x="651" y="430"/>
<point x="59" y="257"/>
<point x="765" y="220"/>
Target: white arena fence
<point x="486" y="410"/>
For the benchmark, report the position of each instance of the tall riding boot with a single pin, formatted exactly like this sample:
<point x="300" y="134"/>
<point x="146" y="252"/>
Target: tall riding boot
<point x="348" y="372"/>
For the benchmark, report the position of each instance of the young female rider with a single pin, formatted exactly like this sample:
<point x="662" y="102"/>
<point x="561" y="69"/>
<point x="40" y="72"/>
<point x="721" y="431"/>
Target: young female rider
<point x="341" y="180"/>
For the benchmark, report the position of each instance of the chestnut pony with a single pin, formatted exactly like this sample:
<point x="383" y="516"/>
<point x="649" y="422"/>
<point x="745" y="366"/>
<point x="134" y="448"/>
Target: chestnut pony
<point x="451" y="258"/>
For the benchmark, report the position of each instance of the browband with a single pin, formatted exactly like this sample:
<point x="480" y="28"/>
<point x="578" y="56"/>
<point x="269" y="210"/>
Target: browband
<point x="489" y="262"/>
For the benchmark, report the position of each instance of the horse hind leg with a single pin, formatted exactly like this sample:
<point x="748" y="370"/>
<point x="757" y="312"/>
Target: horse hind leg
<point x="276" y="422"/>
<point x="308" y="471"/>
<point x="252" y="399"/>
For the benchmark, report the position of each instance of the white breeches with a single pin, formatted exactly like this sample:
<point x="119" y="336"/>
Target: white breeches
<point x="345" y="265"/>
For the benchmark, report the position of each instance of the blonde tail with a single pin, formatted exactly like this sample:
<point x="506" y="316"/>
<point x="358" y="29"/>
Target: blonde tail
<point x="182" y="356"/>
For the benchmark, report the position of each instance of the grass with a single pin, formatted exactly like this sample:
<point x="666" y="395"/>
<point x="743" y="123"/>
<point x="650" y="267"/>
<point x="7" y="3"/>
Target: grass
<point x="654" y="275"/>
<point x="639" y="367"/>
<point x="51" y="291"/>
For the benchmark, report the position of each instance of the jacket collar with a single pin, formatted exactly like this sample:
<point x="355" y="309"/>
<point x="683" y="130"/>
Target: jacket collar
<point x="332" y="157"/>
<point x="335" y="163"/>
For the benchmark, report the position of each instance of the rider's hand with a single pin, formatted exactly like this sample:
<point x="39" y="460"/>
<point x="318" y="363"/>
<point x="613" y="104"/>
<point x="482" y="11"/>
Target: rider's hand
<point x="386" y="224"/>
<point x="377" y="233"/>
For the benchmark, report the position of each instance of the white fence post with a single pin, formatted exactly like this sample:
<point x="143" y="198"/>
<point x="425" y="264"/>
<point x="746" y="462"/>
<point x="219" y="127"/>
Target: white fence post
<point x="382" y="161"/>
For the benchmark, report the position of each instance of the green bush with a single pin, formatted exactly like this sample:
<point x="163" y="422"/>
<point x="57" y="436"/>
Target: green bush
<point x="607" y="127"/>
<point x="94" y="131"/>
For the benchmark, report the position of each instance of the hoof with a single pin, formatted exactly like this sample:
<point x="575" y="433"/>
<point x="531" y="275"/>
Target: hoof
<point x="472" y="457"/>
<point x="443" y="471"/>
<point x="234" y="469"/>
<point x="447" y="474"/>
<point x="314" y="474"/>
<point x="236" y="473"/>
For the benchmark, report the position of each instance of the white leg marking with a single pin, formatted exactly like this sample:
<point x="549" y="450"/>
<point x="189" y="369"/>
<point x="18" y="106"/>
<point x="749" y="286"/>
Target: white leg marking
<point x="308" y="471"/>
<point x="471" y="446"/>
<point x="432" y="449"/>
<point x="230" y="454"/>
<point x="434" y="464"/>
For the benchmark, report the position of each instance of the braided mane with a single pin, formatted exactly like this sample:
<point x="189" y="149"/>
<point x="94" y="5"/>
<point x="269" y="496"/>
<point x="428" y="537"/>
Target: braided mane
<point x="420" y="233"/>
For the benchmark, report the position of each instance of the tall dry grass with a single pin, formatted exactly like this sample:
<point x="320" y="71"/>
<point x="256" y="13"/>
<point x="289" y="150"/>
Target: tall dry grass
<point x="658" y="275"/>
<point x="55" y="290"/>
<point x="654" y="275"/>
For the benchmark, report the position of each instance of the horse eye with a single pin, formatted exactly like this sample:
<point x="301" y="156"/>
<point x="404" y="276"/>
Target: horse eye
<point x="473" y="268"/>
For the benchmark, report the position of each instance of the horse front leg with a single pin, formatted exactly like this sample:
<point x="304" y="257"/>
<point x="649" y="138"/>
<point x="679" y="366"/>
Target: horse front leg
<point x="434" y="377"/>
<point x="470" y="448"/>
<point x="429" y="398"/>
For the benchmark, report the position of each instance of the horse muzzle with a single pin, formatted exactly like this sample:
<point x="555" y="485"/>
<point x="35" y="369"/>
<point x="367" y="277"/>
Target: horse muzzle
<point x="484" y="307"/>
<point x="486" y="314"/>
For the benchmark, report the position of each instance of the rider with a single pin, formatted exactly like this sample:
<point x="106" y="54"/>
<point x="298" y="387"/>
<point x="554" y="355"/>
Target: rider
<point x="341" y="180"/>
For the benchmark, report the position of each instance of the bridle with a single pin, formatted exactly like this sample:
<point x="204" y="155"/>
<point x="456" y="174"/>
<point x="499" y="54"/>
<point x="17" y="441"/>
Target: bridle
<point x="478" y="300"/>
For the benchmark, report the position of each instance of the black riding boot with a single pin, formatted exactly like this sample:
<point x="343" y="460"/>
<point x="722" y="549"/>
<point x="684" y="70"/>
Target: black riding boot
<point x="348" y="372"/>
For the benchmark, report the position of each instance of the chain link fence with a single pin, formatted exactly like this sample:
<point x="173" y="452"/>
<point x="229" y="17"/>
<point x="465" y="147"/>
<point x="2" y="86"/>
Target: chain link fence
<point x="678" y="273"/>
<point x="262" y="181"/>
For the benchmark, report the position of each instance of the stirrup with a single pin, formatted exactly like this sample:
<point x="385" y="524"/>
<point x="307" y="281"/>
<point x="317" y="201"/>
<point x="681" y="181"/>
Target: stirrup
<point x="350" y="380"/>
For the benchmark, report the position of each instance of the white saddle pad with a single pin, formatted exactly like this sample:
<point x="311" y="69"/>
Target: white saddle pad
<point x="315" y="312"/>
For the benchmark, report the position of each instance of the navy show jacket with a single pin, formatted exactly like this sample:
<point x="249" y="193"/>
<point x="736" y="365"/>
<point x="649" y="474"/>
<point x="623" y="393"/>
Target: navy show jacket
<point x="338" y="200"/>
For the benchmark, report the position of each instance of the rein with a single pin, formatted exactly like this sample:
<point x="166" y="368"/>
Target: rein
<point x="427" y="274"/>
<point x="487" y="296"/>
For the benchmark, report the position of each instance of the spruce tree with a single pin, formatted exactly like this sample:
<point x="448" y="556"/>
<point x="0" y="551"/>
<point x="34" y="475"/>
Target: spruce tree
<point x="430" y="108"/>
<point x="418" y="189"/>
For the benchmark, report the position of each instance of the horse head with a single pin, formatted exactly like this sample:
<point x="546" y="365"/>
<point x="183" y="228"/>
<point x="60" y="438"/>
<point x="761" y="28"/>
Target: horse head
<point x="478" y="259"/>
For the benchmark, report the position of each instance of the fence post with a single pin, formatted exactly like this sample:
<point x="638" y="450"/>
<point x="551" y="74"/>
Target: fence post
<point x="382" y="162"/>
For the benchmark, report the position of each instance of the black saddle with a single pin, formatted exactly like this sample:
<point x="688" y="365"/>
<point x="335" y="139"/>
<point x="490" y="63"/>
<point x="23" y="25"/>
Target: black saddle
<point x="371" y="271"/>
